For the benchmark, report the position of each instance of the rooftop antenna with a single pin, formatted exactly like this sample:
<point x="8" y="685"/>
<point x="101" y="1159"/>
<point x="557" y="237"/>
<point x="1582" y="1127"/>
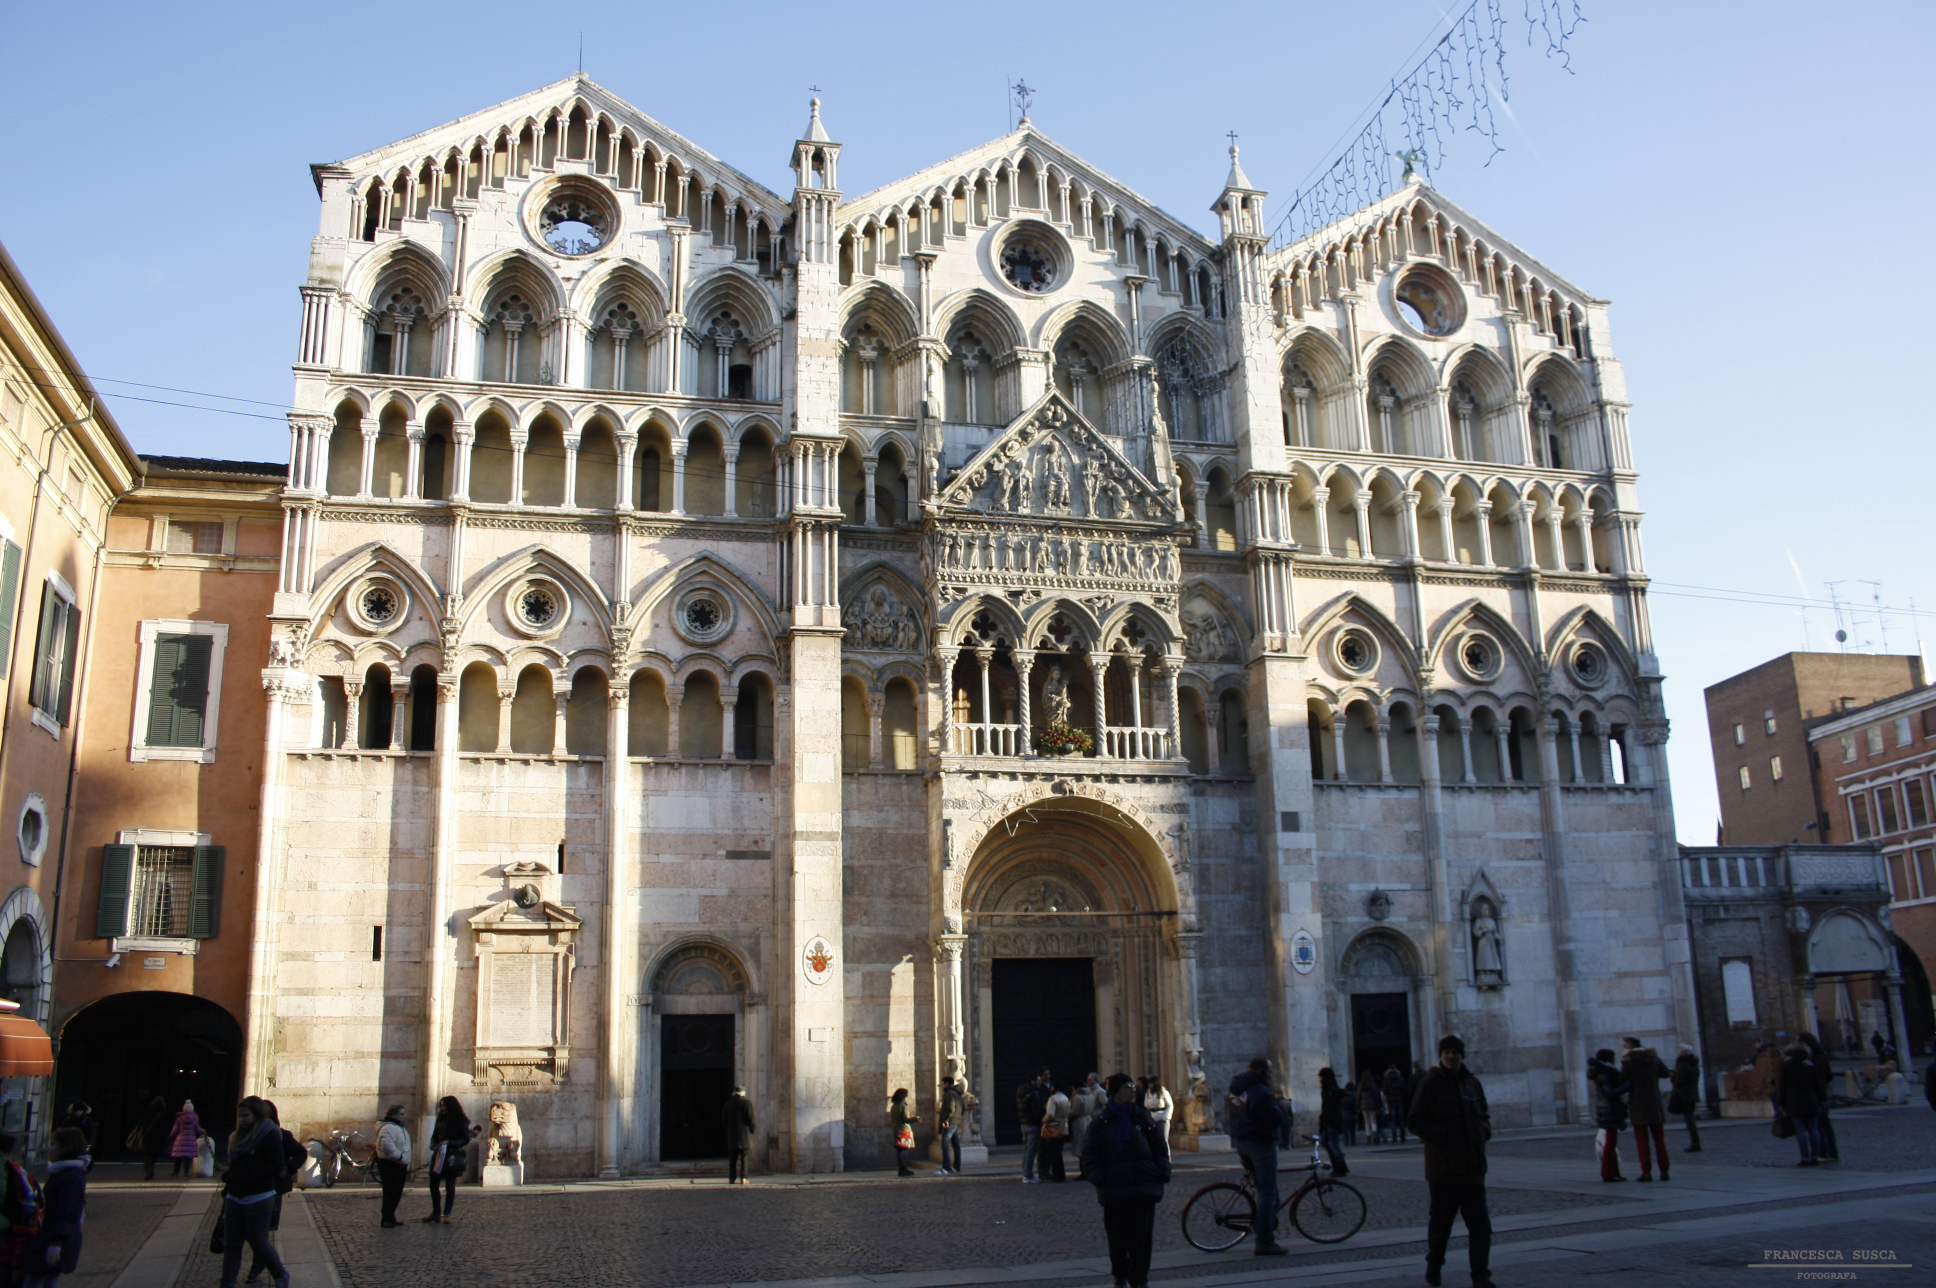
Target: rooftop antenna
<point x="1917" y="627"/>
<point x="1882" y="617"/>
<point x="1835" y="605"/>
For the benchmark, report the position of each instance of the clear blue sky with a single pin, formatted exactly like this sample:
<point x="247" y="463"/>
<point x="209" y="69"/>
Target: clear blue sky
<point x="1746" y="182"/>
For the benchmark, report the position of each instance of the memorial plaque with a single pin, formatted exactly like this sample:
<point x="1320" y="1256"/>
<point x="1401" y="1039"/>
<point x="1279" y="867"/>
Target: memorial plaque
<point x="521" y="999"/>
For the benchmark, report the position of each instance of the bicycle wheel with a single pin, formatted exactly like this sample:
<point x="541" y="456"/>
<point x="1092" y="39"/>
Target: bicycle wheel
<point x="1328" y="1212"/>
<point x="1218" y="1216"/>
<point x="329" y="1170"/>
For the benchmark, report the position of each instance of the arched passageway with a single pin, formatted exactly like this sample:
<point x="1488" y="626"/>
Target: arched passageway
<point x="117" y="1054"/>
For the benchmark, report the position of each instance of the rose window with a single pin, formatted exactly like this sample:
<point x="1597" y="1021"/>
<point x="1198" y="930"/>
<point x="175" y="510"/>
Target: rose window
<point x="1356" y="653"/>
<point x="702" y="616"/>
<point x="380" y="605"/>
<point x="572" y="224"/>
<point x="1027" y="268"/>
<point x="538" y="607"/>
<point x="1480" y="657"/>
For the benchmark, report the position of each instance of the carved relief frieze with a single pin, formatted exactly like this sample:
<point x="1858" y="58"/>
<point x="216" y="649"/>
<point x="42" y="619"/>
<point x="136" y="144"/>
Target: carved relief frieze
<point x="1054" y="464"/>
<point x="879" y="620"/>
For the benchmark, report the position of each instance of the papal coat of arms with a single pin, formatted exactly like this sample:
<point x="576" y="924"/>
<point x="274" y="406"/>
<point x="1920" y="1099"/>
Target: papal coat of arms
<point x="818" y="960"/>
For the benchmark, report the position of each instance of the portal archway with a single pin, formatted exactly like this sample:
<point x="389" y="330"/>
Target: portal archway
<point x="1383" y="1004"/>
<point x="119" y="1053"/>
<point x="1072" y="928"/>
<point x="698" y="1040"/>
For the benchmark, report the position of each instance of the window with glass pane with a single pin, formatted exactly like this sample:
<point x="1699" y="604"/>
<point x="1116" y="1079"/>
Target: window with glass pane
<point x="194" y="538"/>
<point x="1926" y="873"/>
<point x="1859" y="815"/>
<point x="159" y="903"/>
<point x="1886" y="810"/>
<point x="1916" y="803"/>
<point x="1902" y="878"/>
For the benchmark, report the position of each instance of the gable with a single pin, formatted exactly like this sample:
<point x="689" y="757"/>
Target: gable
<point x="1053" y="464"/>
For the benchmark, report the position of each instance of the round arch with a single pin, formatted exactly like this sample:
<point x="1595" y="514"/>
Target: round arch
<point x="120" y="1052"/>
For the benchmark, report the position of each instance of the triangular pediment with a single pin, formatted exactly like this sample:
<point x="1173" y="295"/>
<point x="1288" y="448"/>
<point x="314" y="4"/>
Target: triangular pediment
<point x="1051" y="463"/>
<point x="536" y="105"/>
<point x="1047" y="154"/>
<point x="507" y="916"/>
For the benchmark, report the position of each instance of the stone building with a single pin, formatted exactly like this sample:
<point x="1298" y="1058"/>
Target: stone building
<point x="826" y="642"/>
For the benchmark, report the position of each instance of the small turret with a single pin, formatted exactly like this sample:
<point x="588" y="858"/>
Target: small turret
<point x="1241" y="207"/>
<point x="815" y="156"/>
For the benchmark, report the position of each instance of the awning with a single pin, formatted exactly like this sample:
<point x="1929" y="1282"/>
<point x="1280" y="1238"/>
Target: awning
<point x="25" y="1051"/>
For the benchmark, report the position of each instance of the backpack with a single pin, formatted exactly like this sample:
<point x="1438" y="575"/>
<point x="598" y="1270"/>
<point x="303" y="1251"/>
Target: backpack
<point x="23" y="1207"/>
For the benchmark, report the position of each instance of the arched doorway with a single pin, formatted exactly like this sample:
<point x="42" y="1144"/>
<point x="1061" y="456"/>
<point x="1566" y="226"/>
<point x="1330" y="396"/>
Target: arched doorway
<point x="1070" y="917"/>
<point x="1383" y="1011"/>
<point x="696" y="1047"/>
<point x="26" y="975"/>
<point x="122" y="1051"/>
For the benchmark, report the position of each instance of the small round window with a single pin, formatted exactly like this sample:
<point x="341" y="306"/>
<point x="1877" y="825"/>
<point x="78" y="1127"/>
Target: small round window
<point x="31" y="829"/>
<point x="574" y="217"/>
<point x="1027" y="266"/>
<point x="378" y="605"/>
<point x="1588" y="664"/>
<point x="1479" y="656"/>
<point x="703" y="615"/>
<point x="1429" y="301"/>
<point x="1356" y="651"/>
<point x="537" y="607"/>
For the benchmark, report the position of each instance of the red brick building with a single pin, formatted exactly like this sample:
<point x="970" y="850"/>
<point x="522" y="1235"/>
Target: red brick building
<point x="1875" y="783"/>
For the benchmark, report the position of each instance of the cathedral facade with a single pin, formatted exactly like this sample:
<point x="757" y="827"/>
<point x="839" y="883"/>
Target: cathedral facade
<point x="826" y="643"/>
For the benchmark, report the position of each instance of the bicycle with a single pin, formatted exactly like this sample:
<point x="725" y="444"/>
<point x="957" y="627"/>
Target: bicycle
<point x="335" y="1158"/>
<point x="1323" y="1209"/>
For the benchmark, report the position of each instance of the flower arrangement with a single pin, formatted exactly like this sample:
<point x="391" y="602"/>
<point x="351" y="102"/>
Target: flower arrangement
<point x="1064" y="739"/>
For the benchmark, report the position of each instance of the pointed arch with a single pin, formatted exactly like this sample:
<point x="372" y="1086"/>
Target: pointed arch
<point x="667" y="582"/>
<point x="1440" y="637"/>
<point x="1351" y="603"/>
<point x="485" y="585"/>
<point x="732" y="287"/>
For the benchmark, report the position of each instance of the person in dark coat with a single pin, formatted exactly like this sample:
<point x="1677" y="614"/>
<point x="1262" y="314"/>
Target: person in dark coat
<point x="1824" y="1088"/>
<point x="1642" y="1071"/>
<point x="949" y="1111"/>
<point x="1449" y="1113"/>
<point x="56" y="1249"/>
<point x="155" y="1125"/>
<point x="900" y="1123"/>
<point x="1796" y="1096"/>
<point x="1255" y="1115"/>
<point x="1031" y="1102"/>
<point x="1686" y="1097"/>
<point x="1609" y="1110"/>
<point x="1371" y="1106"/>
<point x="449" y="1157"/>
<point x="249" y="1188"/>
<point x="293" y="1158"/>
<point x="1395" y="1102"/>
<point x="1126" y="1158"/>
<point x="737" y="1118"/>
<point x="1331" y="1116"/>
<point x="1351" y="1114"/>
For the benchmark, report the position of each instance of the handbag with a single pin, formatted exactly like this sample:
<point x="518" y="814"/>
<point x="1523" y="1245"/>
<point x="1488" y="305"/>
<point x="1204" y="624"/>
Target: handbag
<point x="216" y="1245"/>
<point x="135" y="1140"/>
<point x="1783" y="1126"/>
<point x="1053" y="1130"/>
<point x="904" y="1138"/>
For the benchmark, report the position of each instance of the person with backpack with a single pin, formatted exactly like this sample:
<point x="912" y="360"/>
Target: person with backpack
<point x="20" y="1209"/>
<point x="55" y="1249"/>
<point x="293" y="1158"/>
<point x="1128" y="1161"/>
<point x="249" y="1191"/>
<point x="1254" y="1116"/>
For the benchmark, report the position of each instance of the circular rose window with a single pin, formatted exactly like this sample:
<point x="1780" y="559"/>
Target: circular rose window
<point x="1429" y="301"/>
<point x="1030" y="257"/>
<point x="377" y="605"/>
<point x="573" y="217"/>
<point x="1588" y="664"/>
<point x="703" y="615"/>
<point x="537" y="607"/>
<point x="1026" y="267"/>
<point x="1356" y="651"/>
<point x="1479" y="656"/>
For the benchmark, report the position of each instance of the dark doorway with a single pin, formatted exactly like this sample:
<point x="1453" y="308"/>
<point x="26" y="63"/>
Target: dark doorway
<point x="1045" y="1014"/>
<point x="1381" y="1034"/>
<point x="120" y="1052"/>
<point x="695" y="1079"/>
<point x="1915" y="1001"/>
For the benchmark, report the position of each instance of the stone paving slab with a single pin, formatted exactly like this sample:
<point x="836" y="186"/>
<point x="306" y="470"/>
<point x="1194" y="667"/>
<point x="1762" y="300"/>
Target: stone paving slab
<point x="123" y="1213"/>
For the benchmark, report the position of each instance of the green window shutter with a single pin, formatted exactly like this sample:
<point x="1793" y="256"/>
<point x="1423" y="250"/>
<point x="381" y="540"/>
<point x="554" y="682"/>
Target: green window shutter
<point x="70" y="649"/>
<point x="45" y="647"/>
<point x="205" y="893"/>
<point x="117" y="876"/>
<point x="178" y="694"/>
<point x="9" y="588"/>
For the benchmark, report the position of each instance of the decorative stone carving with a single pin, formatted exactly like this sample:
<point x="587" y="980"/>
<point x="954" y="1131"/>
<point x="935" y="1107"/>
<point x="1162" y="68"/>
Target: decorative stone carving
<point x="503" y="1148"/>
<point x="1379" y="905"/>
<point x="877" y="620"/>
<point x="1026" y="471"/>
<point x="1488" y="967"/>
<point x="1207" y="637"/>
<point x="525" y="957"/>
<point x="1055" y="695"/>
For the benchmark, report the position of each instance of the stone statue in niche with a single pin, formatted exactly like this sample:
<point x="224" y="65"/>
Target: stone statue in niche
<point x="1488" y="968"/>
<point x="1055" y="477"/>
<point x="1055" y="696"/>
<point x="1206" y="637"/>
<point x="1012" y="491"/>
<point x="1196" y="1098"/>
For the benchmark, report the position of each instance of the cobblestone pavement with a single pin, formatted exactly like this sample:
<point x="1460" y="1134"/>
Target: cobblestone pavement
<point x="1893" y="1139"/>
<point x="708" y="1233"/>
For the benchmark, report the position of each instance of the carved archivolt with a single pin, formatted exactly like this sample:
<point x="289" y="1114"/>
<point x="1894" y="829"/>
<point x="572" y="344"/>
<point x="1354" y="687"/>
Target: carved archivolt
<point x="1121" y="816"/>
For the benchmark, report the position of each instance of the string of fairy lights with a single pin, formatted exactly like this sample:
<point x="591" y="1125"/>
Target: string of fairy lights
<point x="1447" y="93"/>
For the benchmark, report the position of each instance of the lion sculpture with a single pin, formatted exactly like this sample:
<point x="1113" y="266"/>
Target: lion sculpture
<point x="506" y="1141"/>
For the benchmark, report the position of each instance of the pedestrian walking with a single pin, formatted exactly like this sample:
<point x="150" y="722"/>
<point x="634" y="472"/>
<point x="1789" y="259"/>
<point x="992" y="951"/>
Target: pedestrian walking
<point x="185" y="1140"/>
<point x="1351" y="1114"/>
<point x="1331" y="1116"/>
<point x="55" y="1250"/>
<point x="736" y="1117"/>
<point x="1450" y="1115"/>
<point x="1609" y="1111"/>
<point x="80" y="1116"/>
<point x="1159" y="1102"/>
<point x="1055" y="1135"/>
<point x="1128" y="1161"/>
<point x="1395" y="1102"/>
<point x="900" y="1122"/>
<point x="1031" y="1101"/>
<point x="256" y="1166"/>
<point x="1686" y="1097"/>
<point x="20" y="1211"/>
<point x="1641" y="1069"/>
<point x="155" y="1128"/>
<point x="1797" y="1098"/>
<point x="449" y="1147"/>
<point x="1085" y="1102"/>
<point x="392" y="1162"/>
<point x="1371" y="1106"/>
<point x="1831" y="1152"/>
<point x="948" y="1114"/>
<point x="1255" y="1114"/>
<point x="293" y="1157"/>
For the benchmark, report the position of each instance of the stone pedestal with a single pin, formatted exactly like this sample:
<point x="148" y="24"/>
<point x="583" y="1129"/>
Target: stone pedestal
<point x="501" y="1174"/>
<point x="1210" y="1142"/>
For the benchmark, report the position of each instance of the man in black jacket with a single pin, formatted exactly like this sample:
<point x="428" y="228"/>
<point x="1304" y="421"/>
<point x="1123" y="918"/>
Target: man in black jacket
<point x="1255" y="1116"/>
<point x="1449" y="1114"/>
<point x="1031" y="1102"/>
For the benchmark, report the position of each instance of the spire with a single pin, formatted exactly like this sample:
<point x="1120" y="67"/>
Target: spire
<point x="815" y="130"/>
<point x="1237" y="179"/>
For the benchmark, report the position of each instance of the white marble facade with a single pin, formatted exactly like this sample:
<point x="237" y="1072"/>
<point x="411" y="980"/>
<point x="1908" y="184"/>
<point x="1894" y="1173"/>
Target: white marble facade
<point x="679" y="574"/>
